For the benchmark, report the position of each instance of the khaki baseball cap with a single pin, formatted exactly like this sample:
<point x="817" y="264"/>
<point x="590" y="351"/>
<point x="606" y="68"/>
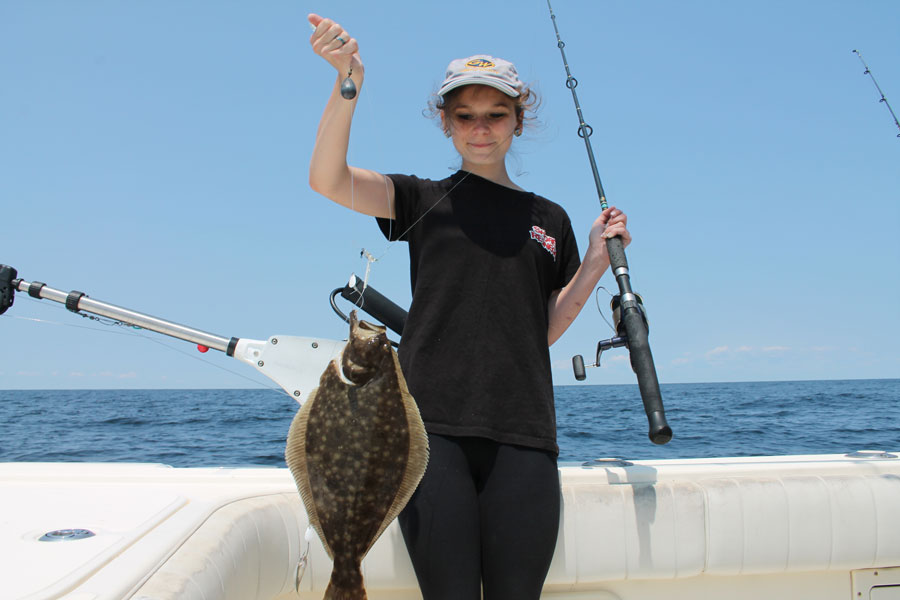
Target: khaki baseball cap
<point x="482" y="69"/>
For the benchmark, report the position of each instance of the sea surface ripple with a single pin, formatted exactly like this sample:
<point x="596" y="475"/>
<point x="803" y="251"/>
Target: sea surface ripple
<point x="189" y="428"/>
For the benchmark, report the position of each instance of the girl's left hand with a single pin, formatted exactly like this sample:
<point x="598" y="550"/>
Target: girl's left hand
<point x="611" y="223"/>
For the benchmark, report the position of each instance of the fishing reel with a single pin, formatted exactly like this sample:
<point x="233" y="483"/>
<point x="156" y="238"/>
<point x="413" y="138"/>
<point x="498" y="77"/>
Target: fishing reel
<point x="618" y="341"/>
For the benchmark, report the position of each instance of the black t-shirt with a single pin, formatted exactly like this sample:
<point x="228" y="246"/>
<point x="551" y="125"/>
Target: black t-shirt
<point x="484" y="260"/>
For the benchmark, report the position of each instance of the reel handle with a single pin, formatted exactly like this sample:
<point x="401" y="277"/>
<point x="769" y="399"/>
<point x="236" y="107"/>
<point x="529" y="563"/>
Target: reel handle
<point x="578" y="367"/>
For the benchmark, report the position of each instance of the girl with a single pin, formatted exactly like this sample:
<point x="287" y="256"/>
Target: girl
<point x="496" y="279"/>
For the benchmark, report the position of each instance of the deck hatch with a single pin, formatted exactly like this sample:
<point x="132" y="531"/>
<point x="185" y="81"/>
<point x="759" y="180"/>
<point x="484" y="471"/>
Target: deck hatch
<point x="66" y="535"/>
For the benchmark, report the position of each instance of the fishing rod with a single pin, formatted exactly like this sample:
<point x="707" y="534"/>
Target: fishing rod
<point x="877" y="87"/>
<point x="628" y="307"/>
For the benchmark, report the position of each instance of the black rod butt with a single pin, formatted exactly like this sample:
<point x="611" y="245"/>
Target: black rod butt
<point x="660" y="432"/>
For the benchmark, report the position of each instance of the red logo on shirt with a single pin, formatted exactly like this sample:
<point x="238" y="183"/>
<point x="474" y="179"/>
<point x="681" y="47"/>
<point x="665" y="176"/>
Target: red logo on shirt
<point x="546" y="241"/>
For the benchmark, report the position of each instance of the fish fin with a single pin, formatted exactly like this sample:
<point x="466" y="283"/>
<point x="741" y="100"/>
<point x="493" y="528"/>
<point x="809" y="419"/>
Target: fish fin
<point x="295" y="456"/>
<point x="417" y="460"/>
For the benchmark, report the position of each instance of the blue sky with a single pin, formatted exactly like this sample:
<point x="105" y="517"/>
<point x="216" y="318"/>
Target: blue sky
<point x="154" y="155"/>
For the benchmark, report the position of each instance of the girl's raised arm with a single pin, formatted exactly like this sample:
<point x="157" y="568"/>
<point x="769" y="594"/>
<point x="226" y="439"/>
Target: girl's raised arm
<point x="363" y="190"/>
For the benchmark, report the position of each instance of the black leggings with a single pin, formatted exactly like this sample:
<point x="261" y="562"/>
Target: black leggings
<point x="485" y="514"/>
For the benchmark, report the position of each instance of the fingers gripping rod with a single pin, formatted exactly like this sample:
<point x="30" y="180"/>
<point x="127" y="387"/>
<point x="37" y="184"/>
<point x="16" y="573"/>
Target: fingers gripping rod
<point x="632" y="315"/>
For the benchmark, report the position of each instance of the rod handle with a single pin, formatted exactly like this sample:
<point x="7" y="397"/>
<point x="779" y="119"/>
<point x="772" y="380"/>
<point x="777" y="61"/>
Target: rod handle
<point x="639" y="346"/>
<point x="643" y="367"/>
<point x="660" y="432"/>
<point x="616" y="251"/>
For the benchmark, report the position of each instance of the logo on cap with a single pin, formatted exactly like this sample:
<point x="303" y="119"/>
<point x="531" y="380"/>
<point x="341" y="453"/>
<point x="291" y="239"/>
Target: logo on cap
<point x="480" y="63"/>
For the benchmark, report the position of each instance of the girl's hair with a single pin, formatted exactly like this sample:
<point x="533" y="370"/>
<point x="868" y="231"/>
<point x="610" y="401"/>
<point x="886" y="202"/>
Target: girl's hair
<point x="526" y="104"/>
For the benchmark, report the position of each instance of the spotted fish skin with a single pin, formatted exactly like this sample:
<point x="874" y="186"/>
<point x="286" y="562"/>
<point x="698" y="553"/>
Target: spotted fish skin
<point x="357" y="451"/>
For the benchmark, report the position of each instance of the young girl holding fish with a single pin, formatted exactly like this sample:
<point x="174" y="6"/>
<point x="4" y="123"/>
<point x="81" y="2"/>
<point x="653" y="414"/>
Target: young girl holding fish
<point x="496" y="279"/>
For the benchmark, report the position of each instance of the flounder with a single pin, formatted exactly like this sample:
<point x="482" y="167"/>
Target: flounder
<point x="357" y="451"/>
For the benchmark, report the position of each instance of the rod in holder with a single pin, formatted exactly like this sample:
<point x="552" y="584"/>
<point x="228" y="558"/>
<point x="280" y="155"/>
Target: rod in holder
<point x="371" y="301"/>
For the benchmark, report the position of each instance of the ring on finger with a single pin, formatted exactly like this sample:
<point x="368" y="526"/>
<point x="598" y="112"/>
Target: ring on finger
<point x="340" y="39"/>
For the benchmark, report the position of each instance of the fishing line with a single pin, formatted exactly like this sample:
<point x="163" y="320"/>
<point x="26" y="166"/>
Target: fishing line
<point x="212" y="364"/>
<point x="348" y="92"/>
<point x="370" y="260"/>
<point x="100" y="320"/>
<point x="877" y="87"/>
<point x="362" y="253"/>
<point x="369" y="257"/>
<point x="599" y="309"/>
<point x="391" y="243"/>
<point x="432" y="207"/>
<point x="390" y="209"/>
<point x="133" y="331"/>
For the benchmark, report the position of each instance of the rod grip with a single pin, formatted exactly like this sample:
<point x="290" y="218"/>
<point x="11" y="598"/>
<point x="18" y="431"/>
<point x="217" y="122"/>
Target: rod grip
<point x="616" y="251"/>
<point x="642" y="364"/>
<point x="639" y="348"/>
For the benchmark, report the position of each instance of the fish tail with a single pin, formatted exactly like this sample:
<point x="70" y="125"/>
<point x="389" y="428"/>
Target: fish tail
<point x="333" y="592"/>
<point x="346" y="581"/>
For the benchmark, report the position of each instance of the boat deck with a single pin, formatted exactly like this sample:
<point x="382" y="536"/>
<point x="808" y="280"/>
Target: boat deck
<point x="778" y="527"/>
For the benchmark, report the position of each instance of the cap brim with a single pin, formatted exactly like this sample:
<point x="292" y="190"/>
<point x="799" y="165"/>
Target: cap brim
<point x="498" y="85"/>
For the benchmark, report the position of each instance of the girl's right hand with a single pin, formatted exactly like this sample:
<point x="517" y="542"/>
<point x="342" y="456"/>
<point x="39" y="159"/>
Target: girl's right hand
<point x="334" y="44"/>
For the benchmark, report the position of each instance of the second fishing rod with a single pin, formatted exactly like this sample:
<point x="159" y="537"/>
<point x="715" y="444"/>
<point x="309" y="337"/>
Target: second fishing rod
<point x="631" y="321"/>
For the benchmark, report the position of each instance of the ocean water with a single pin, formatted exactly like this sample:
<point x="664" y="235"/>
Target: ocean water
<point x="187" y="428"/>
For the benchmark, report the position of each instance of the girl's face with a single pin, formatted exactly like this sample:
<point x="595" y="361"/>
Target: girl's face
<point x="481" y="120"/>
